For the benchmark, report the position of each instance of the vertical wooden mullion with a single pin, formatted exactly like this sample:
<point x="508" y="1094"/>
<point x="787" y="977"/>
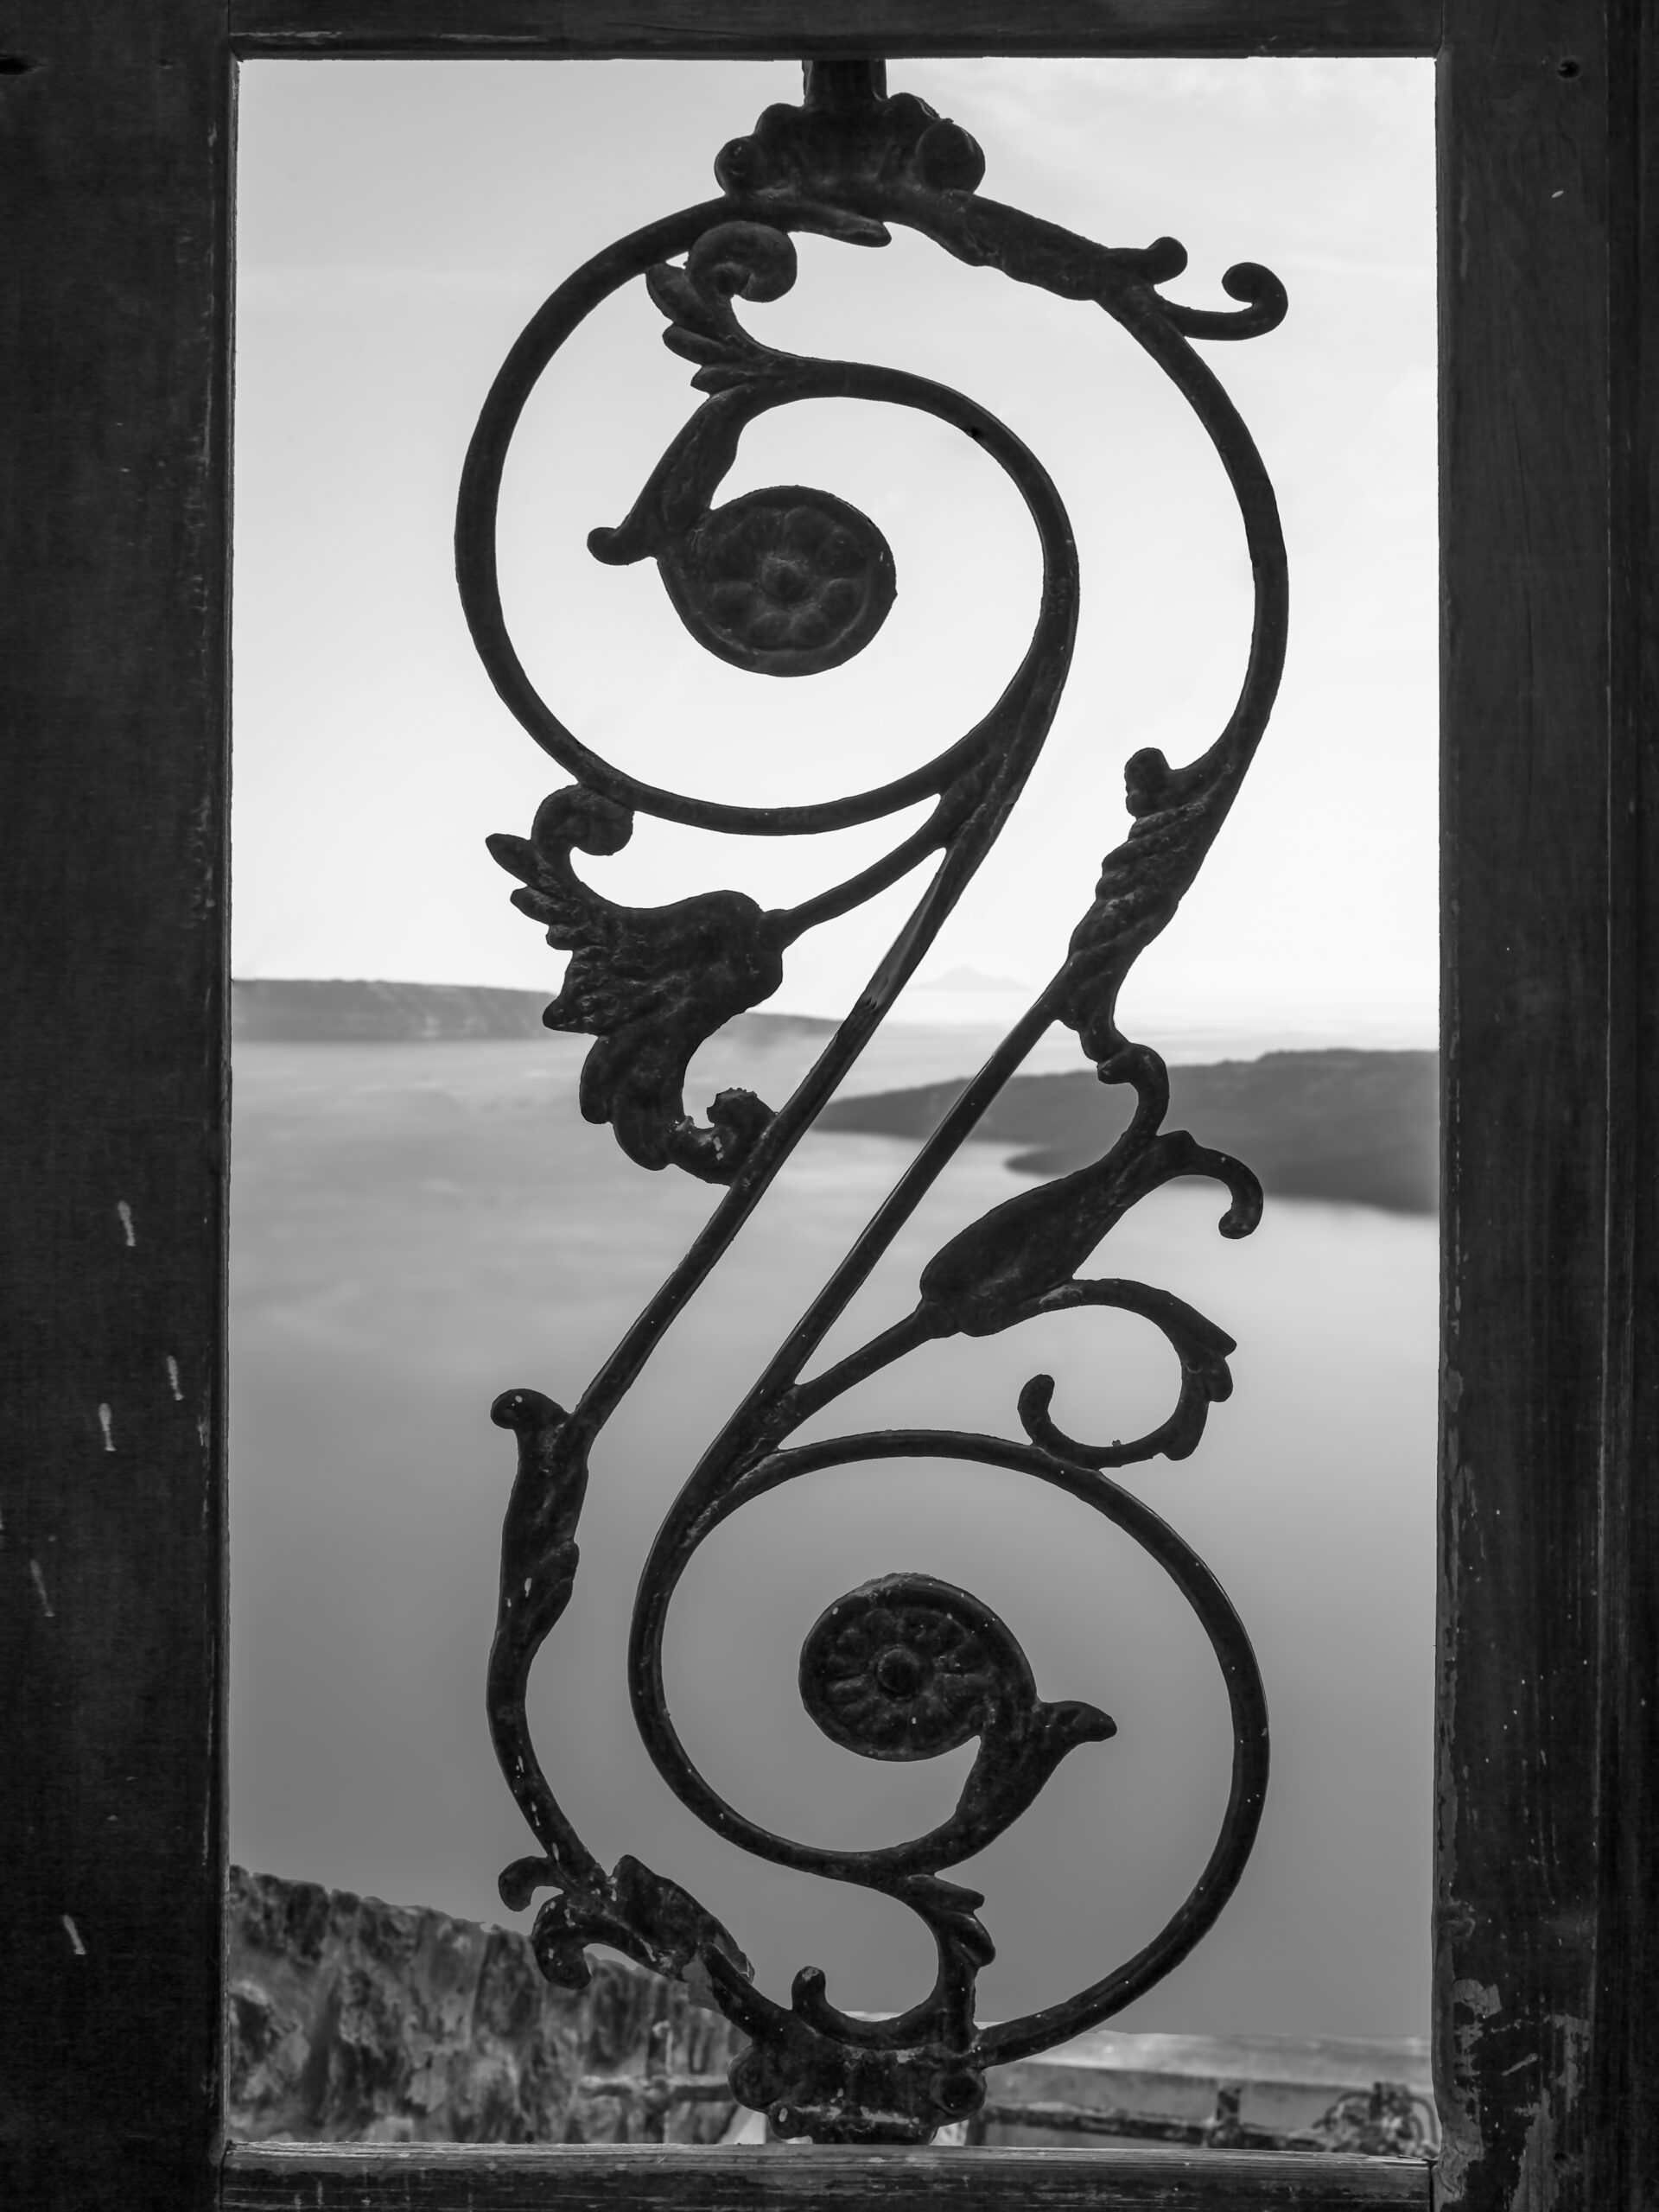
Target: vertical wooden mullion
<point x="1544" y="1919"/>
<point x="1623" y="2166"/>
<point x="115" y="172"/>
<point x="1525" y="1020"/>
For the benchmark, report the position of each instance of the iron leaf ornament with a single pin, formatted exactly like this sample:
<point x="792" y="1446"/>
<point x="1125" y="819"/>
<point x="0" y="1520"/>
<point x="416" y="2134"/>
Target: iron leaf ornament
<point x="785" y="581"/>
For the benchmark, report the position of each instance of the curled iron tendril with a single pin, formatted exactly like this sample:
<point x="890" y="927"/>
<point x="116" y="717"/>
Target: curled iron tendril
<point x="787" y="581"/>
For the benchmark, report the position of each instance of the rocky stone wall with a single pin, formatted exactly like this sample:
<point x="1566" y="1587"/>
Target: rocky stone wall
<point x="353" y="2021"/>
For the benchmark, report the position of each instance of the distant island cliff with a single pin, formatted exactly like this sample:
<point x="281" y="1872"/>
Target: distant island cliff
<point x="1344" y="1125"/>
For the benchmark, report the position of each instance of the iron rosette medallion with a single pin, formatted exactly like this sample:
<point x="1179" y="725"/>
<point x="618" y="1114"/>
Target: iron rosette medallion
<point x="785" y="581"/>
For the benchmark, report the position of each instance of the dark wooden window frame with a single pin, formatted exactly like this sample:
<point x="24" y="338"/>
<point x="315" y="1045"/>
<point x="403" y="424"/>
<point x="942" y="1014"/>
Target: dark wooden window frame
<point x="116" y="123"/>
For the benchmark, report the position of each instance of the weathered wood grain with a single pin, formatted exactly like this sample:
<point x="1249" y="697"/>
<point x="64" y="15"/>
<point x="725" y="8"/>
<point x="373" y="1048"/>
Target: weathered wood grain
<point x="1624" y="2123"/>
<point x="667" y="29"/>
<point x="114" y="174"/>
<point x="590" y="2178"/>
<point x="1544" y="1940"/>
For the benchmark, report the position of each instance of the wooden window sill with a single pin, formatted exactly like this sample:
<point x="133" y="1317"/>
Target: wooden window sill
<point x="469" y="2177"/>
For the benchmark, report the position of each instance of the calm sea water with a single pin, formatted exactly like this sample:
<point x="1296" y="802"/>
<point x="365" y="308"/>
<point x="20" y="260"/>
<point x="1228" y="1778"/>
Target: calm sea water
<point x="417" y="1227"/>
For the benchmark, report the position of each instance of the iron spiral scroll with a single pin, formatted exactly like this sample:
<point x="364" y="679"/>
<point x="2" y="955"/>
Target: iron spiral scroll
<point x="785" y="581"/>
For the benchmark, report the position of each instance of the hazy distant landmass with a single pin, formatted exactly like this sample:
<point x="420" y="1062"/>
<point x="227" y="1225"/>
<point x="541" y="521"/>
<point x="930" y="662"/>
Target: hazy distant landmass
<point x="1342" y="1124"/>
<point x="1352" y="1125"/>
<point x="326" y="1011"/>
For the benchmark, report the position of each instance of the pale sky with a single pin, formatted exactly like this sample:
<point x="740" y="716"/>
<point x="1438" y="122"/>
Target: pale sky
<point x="399" y="223"/>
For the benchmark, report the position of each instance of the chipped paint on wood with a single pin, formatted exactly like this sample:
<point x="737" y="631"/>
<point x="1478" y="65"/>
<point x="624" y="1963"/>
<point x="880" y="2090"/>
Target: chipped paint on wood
<point x="1551" y="2172"/>
<point x="1458" y="2076"/>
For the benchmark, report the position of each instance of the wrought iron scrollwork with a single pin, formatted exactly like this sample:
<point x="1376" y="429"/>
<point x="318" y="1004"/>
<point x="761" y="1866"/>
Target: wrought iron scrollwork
<point x="785" y="581"/>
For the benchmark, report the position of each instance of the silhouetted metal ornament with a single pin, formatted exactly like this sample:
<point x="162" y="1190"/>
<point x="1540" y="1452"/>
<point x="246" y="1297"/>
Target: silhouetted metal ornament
<point x="786" y="580"/>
